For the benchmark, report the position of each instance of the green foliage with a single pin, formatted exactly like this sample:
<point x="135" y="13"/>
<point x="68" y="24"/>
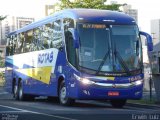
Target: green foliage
<point x="92" y="4"/>
<point x="2" y="80"/>
<point x="2" y="17"/>
<point x="1" y="74"/>
<point x="1" y="62"/>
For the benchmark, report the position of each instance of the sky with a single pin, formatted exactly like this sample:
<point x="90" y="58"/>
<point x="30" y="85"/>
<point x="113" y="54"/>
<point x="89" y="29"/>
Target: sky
<point x="147" y="9"/>
<point x="24" y="8"/>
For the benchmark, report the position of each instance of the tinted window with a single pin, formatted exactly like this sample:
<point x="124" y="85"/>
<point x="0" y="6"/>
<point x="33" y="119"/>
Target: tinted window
<point x="71" y="53"/>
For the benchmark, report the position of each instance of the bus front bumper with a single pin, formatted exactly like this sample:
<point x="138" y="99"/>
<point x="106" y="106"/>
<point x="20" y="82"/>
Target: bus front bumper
<point x="110" y="91"/>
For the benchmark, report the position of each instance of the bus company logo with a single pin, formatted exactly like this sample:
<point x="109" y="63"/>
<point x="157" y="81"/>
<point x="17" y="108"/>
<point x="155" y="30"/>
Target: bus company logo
<point x="135" y="78"/>
<point x="45" y="57"/>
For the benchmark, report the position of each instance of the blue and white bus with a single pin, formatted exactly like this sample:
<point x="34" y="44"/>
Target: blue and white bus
<point x="83" y="54"/>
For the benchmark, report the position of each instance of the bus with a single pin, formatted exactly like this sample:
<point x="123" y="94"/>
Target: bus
<point x="77" y="54"/>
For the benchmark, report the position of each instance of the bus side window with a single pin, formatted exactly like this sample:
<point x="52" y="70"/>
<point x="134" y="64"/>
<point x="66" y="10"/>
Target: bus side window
<point x="68" y="23"/>
<point x="18" y="44"/>
<point x="71" y="52"/>
<point x="15" y="45"/>
<point x="36" y="39"/>
<point x="21" y="43"/>
<point x="11" y="52"/>
<point x="47" y="35"/>
<point x="40" y="38"/>
<point x="57" y="34"/>
<point x="28" y="41"/>
<point x="8" y="46"/>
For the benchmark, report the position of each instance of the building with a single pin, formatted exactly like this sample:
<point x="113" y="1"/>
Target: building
<point x="155" y="56"/>
<point x="22" y="21"/>
<point x="12" y="23"/>
<point x="155" y="31"/>
<point x="50" y="9"/>
<point x="127" y="9"/>
<point x="113" y="2"/>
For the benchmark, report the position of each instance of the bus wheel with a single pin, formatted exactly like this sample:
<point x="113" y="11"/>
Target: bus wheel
<point x="15" y="91"/>
<point x="64" y="100"/>
<point x="118" y="103"/>
<point x="20" y="91"/>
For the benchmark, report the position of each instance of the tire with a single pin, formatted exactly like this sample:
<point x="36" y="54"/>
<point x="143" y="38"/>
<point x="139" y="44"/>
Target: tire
<point x="15" y="91"/>
<point x="21" y="95"/>
<point x="118" y="103"/>
<point x="63" y="99"/>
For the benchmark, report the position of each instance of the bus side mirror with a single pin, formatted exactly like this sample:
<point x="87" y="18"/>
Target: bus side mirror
<point x="75" y="37"/>
<point x="149" y="40"/>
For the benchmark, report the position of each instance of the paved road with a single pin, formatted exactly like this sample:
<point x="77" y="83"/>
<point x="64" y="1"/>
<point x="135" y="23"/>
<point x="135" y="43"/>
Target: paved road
<point x="42" y="109"/>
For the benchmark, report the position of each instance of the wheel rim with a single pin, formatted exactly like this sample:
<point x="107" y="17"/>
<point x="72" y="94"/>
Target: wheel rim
<point x="63" y="98"/>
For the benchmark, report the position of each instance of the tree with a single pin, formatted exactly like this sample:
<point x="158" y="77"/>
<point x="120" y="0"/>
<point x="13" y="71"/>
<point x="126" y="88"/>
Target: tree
<point x="2" y="17"/>
<point x="1" y="60"/>
<point x="95" y="4"/>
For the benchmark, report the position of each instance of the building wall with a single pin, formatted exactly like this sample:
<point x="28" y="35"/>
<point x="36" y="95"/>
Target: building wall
<point x="155" y="31"/>
<point x="12" y="23"/>
<point x="50" y="9"/>
<point x="127" y="9"/>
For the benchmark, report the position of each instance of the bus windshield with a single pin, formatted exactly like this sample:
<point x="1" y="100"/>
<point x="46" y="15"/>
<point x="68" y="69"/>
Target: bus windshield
<point x="110" y="49"/>
<point x="127" y="47"/>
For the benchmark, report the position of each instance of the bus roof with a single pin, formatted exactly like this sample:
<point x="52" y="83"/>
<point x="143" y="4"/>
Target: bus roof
<point x="83" y="15"/>
<point x="99" y="16"/>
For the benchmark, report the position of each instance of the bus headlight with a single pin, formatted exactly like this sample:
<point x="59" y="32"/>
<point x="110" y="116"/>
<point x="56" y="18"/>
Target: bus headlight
<point x="138" y="82"/>
<point x="85" y="81"/>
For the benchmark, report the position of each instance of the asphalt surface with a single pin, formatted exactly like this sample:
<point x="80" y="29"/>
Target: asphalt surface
<point x="42" y="109"/>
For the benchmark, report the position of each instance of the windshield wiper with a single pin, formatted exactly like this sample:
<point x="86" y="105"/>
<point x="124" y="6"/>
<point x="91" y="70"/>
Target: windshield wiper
<point x="117" y="55"/>
<point x="103" y="61"/>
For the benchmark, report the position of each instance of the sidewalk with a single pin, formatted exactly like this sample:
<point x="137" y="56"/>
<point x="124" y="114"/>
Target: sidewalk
<point x="148" y="100"/>
<point x="147" y="95"/>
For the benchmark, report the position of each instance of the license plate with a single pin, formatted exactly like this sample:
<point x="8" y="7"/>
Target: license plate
<point x="110" y="93"/>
